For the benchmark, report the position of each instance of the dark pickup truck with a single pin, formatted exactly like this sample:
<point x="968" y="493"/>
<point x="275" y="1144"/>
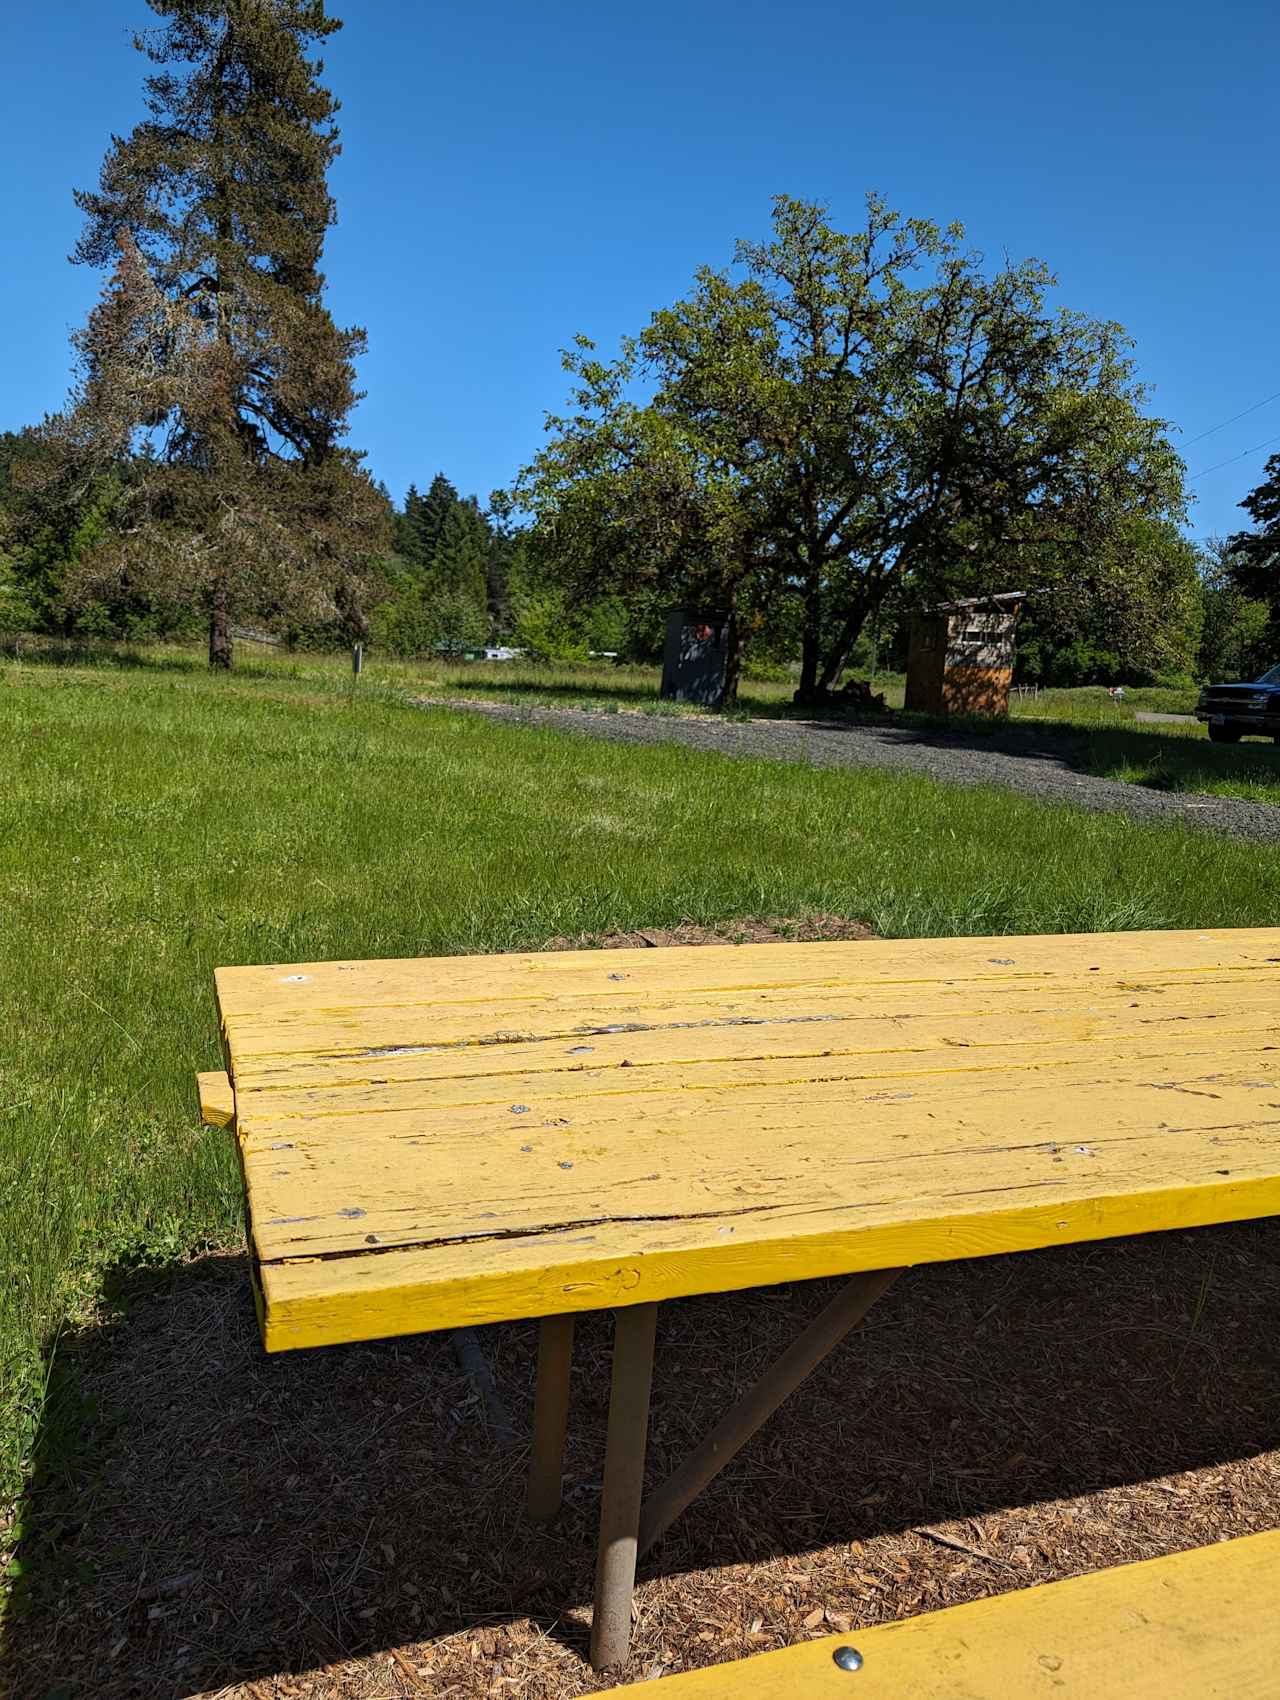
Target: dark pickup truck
<point x="1242" y="711"/>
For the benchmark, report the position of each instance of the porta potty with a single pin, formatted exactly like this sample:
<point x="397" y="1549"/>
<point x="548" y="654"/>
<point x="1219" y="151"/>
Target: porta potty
<point x="960" y="659"/>
<point x="695" y="658"/>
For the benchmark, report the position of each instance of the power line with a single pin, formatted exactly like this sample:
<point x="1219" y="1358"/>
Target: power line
<point x="1243" y="455"/>
<point x="1213" y="429"/>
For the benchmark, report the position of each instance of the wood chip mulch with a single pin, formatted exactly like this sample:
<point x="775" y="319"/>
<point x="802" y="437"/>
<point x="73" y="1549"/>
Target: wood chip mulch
<point x="344" y="1524"/>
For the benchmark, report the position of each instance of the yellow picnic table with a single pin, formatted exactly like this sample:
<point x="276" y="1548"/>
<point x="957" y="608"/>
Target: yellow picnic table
<point x="441" y="1142"/>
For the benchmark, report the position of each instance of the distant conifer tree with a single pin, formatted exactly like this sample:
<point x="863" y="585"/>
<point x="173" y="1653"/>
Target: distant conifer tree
<point x="211" y="351"/>
<point x="434" y="514"/>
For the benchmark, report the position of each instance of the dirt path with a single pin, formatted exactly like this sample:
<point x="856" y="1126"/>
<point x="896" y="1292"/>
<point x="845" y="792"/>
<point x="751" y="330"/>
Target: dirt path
<point x="1043" y="765"/>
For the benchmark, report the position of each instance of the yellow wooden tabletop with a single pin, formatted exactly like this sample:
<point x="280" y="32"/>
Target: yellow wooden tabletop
<point x="466" y="1139"/>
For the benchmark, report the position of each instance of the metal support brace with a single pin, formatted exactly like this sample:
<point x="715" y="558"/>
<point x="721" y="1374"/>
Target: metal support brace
<point x="758" y="1404"/>
<point x="628" y="1525"/>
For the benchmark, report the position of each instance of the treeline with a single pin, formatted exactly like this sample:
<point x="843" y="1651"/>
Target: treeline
<point x="1205" y="620"/>
<point x="458" y="579"/>
<point x="836" y="428"/>
<point x="453" y="580"/>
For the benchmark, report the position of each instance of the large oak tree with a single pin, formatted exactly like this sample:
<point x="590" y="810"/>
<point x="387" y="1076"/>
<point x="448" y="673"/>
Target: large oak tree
<point x="211" y="364"/>
<point x="851" y="417"/>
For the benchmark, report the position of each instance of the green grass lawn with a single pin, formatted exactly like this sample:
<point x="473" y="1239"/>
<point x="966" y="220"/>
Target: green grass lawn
<point x="157" y="821"/>
<point x="609" y="685"/>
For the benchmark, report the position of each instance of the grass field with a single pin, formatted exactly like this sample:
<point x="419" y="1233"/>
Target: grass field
<point x="157" y="821"/>
<point x="605" y="685"/>
<point x="1169" y="757"/>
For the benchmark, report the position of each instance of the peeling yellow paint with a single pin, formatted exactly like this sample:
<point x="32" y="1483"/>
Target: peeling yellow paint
<point x="465" y="1139"/>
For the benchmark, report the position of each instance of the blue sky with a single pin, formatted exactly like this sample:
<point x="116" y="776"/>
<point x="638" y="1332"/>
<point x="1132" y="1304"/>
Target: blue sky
<point x="513" y="174"/>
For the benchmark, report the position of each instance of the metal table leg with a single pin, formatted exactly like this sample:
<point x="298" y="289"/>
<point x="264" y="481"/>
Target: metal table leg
<point x="623" y="1483"/>
<point x="550" y="1417"/>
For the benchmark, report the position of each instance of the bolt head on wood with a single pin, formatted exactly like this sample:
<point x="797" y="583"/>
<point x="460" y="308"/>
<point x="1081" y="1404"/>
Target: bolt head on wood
<point x="848" y="1658"/>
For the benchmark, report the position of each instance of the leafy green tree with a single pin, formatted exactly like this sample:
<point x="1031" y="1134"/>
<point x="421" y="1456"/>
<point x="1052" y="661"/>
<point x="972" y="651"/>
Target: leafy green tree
<point x="18" y="449"/>
<point x="211" y="363"/>
<point x="1255" y="555"/>
<point x="439" y="506"/>
<point x="421" y="526"/>
<point x="849" y="418"/>
<point x="19" y="601"/>
<point x="1142" y="624"/>
<point x="46" y="541"/>
<point x="440" y="579"/>
<point x="417" y="619"/>
<point x="503" y="570"/>
<point x="605" y="625"/>
<point x="405" y="525"/>
<point x="459" y="565"/>
<point x="1236" y="642"/>
<point x="547" y="631"/>
<point x="16" y="613"/>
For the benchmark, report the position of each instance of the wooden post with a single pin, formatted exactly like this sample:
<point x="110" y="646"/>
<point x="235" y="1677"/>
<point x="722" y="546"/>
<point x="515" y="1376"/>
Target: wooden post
<point x="550" y="1416"/>
<point x="756" y="1406"/>
<point x="623" y="1484"/>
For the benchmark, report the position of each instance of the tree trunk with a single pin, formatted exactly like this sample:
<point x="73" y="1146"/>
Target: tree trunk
<point x="220" y="626"/>
<point x="733" y="664"/>
<point x="810" y="641"/>
<point x="868" y="603"/>
<point x="220" y="597"/>
<point x="841" y="649"/>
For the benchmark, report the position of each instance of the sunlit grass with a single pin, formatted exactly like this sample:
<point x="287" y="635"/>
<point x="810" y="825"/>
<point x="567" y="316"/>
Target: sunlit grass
<point x="157" y="821"/>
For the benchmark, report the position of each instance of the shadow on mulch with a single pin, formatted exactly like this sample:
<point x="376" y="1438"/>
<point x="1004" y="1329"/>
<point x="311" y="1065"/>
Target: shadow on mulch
<point x="205" y="1520"/>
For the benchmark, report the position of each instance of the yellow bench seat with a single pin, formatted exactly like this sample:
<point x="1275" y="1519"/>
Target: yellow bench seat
<point x="1199" y="1625"/>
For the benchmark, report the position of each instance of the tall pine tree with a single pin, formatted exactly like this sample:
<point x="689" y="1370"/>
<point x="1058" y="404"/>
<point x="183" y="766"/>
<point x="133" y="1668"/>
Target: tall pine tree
<point x="407" y="527"/>
<point x="434" y="514"/>
<point x="462" y="554"/>
<point x="212" y="351"/>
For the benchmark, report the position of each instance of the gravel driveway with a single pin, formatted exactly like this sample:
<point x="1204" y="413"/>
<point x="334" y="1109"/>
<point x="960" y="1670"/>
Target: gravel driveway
<point x="1047" y="767"/>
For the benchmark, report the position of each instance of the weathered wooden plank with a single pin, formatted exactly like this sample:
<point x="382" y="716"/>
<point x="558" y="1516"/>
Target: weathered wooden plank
<point x="217" y="1100"/>
<point x="503" y="1017"/>
<point x="706" y="1157"/>
<point x="692" y="1034"/>
<point x="648" y="1085"/>
<point x="1201" y="1623"/>
<point x="311" y="1301"/>
<point x="272" y="991"/>
<point x="758" y="1113"/>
